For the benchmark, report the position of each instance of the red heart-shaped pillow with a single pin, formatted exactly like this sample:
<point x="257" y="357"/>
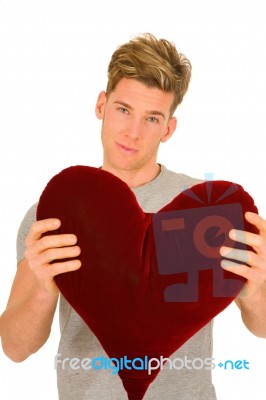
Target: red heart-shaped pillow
<point x="148" y="282"/>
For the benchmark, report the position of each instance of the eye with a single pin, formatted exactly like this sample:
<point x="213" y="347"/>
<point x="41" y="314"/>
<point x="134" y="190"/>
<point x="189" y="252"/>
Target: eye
<point x="123" y="110"/>
<point x="154" y="120"/>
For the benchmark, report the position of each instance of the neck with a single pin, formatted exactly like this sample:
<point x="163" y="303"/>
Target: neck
<point x="135" y="178"/>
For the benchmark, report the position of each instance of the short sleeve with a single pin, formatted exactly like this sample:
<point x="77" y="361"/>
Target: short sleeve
<point x="23" y="231"/>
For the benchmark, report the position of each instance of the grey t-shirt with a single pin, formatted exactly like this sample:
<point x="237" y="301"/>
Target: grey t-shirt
<point x="77" y="340"/>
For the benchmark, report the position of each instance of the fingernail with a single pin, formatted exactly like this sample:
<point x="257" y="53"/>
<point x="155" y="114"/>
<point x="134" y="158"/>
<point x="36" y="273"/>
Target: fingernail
<point x="225" y="264"/>
<point x="232" y="234"/>
<point x="56" y="223"/>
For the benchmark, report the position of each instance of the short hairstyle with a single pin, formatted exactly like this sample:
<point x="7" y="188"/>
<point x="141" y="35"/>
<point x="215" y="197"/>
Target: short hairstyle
<point x="154" y="62"/>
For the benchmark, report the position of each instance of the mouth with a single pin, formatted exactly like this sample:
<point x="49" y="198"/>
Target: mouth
<point x="126" y="149"/>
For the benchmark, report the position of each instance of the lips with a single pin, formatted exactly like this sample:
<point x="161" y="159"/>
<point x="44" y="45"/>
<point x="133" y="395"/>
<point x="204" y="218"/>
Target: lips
<point x="126" y="148"/>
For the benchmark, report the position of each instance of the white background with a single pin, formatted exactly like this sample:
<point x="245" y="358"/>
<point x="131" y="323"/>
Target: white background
<point x="53" y="61"/>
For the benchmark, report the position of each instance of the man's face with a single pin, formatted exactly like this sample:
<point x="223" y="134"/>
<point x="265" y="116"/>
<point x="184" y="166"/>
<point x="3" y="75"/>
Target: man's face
<point x="136" y="118"/>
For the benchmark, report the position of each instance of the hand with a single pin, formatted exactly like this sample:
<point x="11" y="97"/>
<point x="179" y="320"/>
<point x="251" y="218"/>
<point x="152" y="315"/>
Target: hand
<point x="45" y="254"/>
<point x="253" y="264"/>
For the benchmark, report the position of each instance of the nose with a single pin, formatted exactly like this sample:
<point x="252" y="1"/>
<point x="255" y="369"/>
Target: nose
<point x="133" y="129"/>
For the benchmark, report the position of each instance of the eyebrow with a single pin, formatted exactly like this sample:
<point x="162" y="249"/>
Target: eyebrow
<point x="152" y="112"/>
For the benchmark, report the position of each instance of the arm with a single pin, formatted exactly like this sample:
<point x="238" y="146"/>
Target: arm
<point x="252" y="299"/>
<point x="26" y="323"/>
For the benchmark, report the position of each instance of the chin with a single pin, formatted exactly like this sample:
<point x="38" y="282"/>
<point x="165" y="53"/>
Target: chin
<point x="125" y="166"/>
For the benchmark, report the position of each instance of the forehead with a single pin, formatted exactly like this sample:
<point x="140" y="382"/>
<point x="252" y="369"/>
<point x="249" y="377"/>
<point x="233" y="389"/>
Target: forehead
<point x="138" y="95"/>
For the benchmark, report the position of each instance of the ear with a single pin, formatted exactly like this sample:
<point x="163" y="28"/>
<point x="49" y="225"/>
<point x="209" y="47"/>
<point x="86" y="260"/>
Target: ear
<point x="171" y="127"/>
<point x="100" y="105"/>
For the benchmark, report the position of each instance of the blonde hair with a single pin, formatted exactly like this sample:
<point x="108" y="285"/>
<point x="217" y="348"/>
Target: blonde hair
<point x="154" y="62"/>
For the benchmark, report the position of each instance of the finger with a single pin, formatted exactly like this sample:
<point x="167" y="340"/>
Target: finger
<point x="58" y="254"/>
<point x="253" y="275"/>
<point x="38" y="228"/>
<point x="55" y="241"/>
<point x="256" y="220"/>
<point x="62" y="267"/>
<point x="238" y="269"/>
<point x="248" y="238"/>
<point x="243" y="256"/>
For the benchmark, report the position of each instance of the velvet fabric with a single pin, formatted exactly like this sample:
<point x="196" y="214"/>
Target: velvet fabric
<point x="148" y="282"/>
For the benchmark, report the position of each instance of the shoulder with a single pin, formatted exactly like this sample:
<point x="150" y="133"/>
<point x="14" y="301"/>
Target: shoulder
<point x="184" y="181"/>
<point x="29" y="217"/>
<point x="23" y="231"/>
<point x="154" y="195"/>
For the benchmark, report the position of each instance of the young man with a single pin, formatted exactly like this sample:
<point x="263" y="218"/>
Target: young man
<point x="147" y="79"/>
